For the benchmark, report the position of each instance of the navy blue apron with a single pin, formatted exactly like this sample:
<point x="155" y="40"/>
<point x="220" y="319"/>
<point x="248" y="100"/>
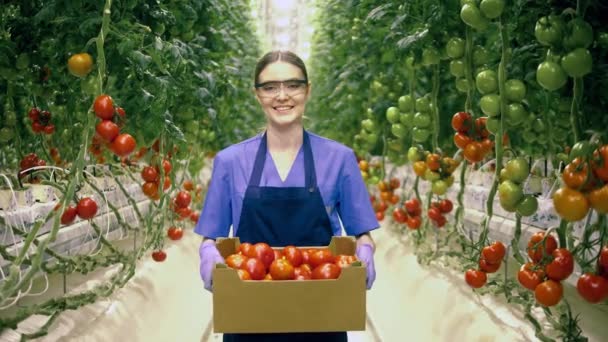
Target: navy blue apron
<point x="281" y="217"/>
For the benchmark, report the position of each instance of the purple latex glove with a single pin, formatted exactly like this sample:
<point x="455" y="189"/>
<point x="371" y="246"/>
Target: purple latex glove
<point x="210" y="256"/>
<point x="365" y="253"/>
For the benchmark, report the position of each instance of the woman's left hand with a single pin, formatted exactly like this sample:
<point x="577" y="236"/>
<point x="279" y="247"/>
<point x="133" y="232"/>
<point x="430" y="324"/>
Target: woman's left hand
<point x="365" y="253"/>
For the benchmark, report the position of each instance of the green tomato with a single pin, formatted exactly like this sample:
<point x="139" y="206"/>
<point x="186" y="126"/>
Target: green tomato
<point x="602" y="40"/>
<point x="486" y="81"/>
<point x="430" y="56"/>
<point x="23" y="61"/>
<point x="10" y="118"/>
<point x="539" y="125"/>
<point x="423" y="104"/>
<point x="481" y="56"/>
<point x="516" y="113"/>
<point x="439" y="187"/>
<point x="368" y="125"/>
<point x="407" y="119"/>
<point x="6" y="134"/>
<point x="517" y="170"/>
<point x="413" y="155"/>
<point x="492" y="8"/>
<point x="457" y="68"/>
<point x="372" y="138"/>
<point x="549" y="30"/>
<point x="529" y="136"/>
<point x="422" y="120"/>
<point x="527" y="206"/>
<point x="470" y="15"/>
<point x="506" y="206"/>
<point x="395" y="145"/>
<point x="462" y="85"/>
<point x="90" y="85"/>
<point x="392" y="114"/>
<point x="509" y="193"/>
<point x="492" y="124"/>
<point x="398" y="130"/>
<point x="405" y="103"/>
<point x="515" y="90"/>
<point x="577" y="63"/>
<point x="431" y="176"/>
<point x="455" y="47"/>
<point x="579" y="34"/>
<point x="550" y="75"/>
<point x="490" y="104"/>
<point x="582" y="149"/>
<point x="420" y="134"/>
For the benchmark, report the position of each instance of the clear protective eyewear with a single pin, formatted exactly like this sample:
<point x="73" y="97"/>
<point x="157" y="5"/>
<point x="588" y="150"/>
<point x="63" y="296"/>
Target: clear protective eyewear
<point x="273" y="88"/>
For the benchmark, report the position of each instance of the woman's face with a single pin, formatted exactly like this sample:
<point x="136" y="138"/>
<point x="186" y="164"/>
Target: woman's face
<point x="283" y="103"/>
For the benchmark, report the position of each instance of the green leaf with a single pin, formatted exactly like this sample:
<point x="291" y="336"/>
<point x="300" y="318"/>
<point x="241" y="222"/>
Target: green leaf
<point x="405" y="42"/>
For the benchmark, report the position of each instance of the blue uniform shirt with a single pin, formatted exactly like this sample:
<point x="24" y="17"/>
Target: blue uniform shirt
<point x="338" y="177"/>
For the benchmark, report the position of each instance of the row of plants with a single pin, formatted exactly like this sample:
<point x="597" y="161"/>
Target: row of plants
<point x="449" y="87"/>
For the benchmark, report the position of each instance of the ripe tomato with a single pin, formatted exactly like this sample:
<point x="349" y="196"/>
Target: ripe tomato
<point x="293" y="255"/>
<point x="149" y="174"/>
<point x="394" y="183"/>
<point x="475" y="278"/>
<point x="123" y="145"/>
<point x="182" y="213"/>
<point x="86" y="208"/>
<point x="267" y="277"/>
<point x="535" y="250"/>
<point x="461" y="122"/>
<point x="80" y="64"/>
<point x="592" y="288"/>
<point x="598" y="199"/>
<point x="380" y="216"/>
<point x="487" y="267"/>
<point x="236" y="260"/>
<point x="166" y="183"/>
<point x="188" y="185"/>
<point x="446" y="206"/>
<point x="282" y="270"/>
<point x="575" y="174"/>
<point x="326" y="271"/>
<point x="69" y="214"/>
<point x="603" y="259"/>
<point x="321" y="256"/>
<point x="394" y="199"/>
<point x="570" y="204"/>
<point x="385" y="195"/>
<point x="412" y="206"/>
<point x="305" y="256"/>
<point x="419" y="168"/>
<point x="245" y="248"/>
<point x="108" y="130"/>
<point x="599" y="163"/>
<point x="244" y="275"/>
<point x="255" y="267"/>
<point x="529" y="277"/>
<point x="343" y="260"/>
<point x="434" y="214"/>
<point x="277" y="254"/>
<point x="433" y="161"/>
<point x="150" y="189"/>
<point x="159" y="256"/>
<point x="494" y="253"/>
<point x="399" y="215"/>
<point x="263" y="252"/>
<point x="175" y="233"/>
<point x="33" y="114"/>
<point x="104" y="107"/>
<point x="461" y="140"/>
<point x="414" y="222"/>
<point x="183" y="199"/>
<point x="561" y="266"/>
<point x="166" y="166"/>
<point x="49" y="129"/>
<point x="549" y="292"/>
<point x="37" y="127"/>
<point x="473" y="152"/>
<point x="302" y="273"/>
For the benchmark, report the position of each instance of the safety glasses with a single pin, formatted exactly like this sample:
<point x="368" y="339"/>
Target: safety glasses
<point x="273" y="88"/>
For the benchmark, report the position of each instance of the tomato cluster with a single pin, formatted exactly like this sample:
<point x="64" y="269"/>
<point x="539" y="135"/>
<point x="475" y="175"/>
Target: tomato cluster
<point x="370" y="171"/>
<point x="434" y="168"/>
<point x="472" y="137"/>
<point x="387" y="195"/>
<point x="594" y="287"/>
<point x="510" y="190"/>
<point x="27" y="162"/>
<point x="41" y="121"/>
<point x="261" y="262"/>
<point x="151" y="177"/>
<point x="479" y="17"/>
<point x="181" y="206"/>
<point x="85" y="209"/>
<point x="108" y="129"/>
<point x="489" y="262"/>
<point x="437" y="211"/>
<point x="410" y="214"/>
<point x="585" y="183"/>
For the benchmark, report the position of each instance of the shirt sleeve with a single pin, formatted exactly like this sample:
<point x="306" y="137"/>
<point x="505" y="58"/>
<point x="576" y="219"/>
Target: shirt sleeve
<point x="354" y="206"/>
<point x="216" y="216"/>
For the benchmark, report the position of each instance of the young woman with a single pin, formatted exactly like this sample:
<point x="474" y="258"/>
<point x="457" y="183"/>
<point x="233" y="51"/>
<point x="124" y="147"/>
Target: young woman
<point x="286" y="186"/>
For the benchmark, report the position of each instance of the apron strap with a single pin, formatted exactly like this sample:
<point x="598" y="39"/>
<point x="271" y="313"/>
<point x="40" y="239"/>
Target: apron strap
<point x="309" y="164"/>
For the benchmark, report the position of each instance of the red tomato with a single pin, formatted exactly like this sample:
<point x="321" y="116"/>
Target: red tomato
<point x="183" y="212"/>
<point x="277" y="254"/>
<point x="549" y="292"/>
<point x="267" y="277"/>
<point x="535" y="250"/>
<point x="414" y="222"/>
<point x="603" y="260"/>
<point x="166" y="166"/>
<point x="175" y="233"/>
<point x="123" y="145"/>
<point x="293" y="255"/>
<point x="326" y="271"/>
<point x="244" y="275"/>
<point x="245" y="248"/>
<point x="255" y="267"/>
<point x="107" y="130"/>
<point x="592" y="288"/>
<point x="149" y="174"/>
<point x="321" y="256"/>
<point x="399" y="215"/>
<point x="562" y="265"/>
<point x="262" y="251"/>
<point x="104" y="107"/>
<point x="302" y="273"/>
<point x="236" y="260"/>
<point x="528" y="277"/>
<point x="600" y="163"/>
<point x="380" y="215"/>
<point x="487" y="267"/>
<point x="440" y="222"/>
<point x="150" y="189"/>
<point x="69" y="214"/>
<point x="494" y="253"/>
<point x="461" y="121"/>
<point x="394" y="183"/>
<point x="446" y="206"/>
<point x="194" y="216"/>
<point x="49" y="129"/>
<point x="86" y="208"/>
<point x="473" y="152"/>
<point x="33" y="114"/>
<point x="475" y="278"/>
<point x="188" y="185"/>
<point x="305" y="256"/>
<point x="159" y="256"/>
<point x="37" y="127"/>
<point x="434" y="214"/>
<point x="282" y="270"/>
<point x="183" y="199"/>
<point x="412" y="206"/>
<point x="343" y="260"/>
<point x="461" y="140"/>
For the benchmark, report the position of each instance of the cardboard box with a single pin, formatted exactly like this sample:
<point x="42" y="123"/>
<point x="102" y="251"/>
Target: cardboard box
<point x="289" y="305"/>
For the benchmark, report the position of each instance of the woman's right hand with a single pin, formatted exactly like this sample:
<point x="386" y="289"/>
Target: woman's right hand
<point x="210" y="256"/>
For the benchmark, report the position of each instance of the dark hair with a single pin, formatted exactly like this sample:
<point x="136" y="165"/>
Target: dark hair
<point x="279" y="55"/>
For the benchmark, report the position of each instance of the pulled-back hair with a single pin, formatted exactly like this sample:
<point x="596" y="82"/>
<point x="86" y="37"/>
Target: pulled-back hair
<point x="279" y="55"/>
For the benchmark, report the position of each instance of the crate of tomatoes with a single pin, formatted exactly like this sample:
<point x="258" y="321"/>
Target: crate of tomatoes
<point x="263" y="289"/>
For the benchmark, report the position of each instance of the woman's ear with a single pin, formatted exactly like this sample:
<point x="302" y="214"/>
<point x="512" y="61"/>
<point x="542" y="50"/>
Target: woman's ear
<point x="255" y="93"/>
<point x="308" y="91"/>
